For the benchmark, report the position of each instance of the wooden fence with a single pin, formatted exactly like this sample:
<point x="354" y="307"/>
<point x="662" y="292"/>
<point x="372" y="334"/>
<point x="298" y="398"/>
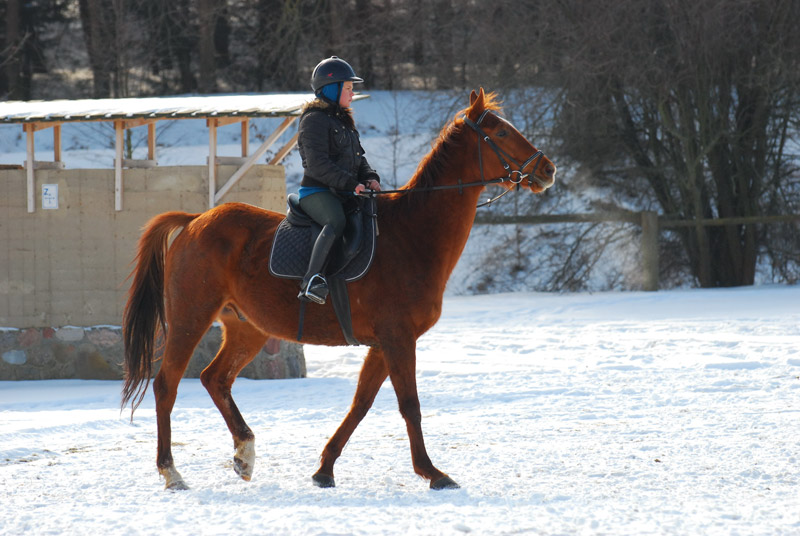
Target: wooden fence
<point x="650" y="222"/>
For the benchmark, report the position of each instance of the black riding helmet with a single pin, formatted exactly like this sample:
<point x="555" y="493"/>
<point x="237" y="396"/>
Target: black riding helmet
<point x="331" y="71"/>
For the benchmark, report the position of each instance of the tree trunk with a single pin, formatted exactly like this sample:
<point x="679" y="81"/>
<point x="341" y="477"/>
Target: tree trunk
<point x="96" y="23"/>
<point x="206" y="51"/>
<point x="13" y="64"/>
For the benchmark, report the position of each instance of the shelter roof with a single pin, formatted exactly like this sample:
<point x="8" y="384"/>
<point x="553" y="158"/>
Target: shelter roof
<point x="173" y="107"/>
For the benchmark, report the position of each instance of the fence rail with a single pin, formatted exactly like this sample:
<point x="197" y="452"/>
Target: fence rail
<point x="650" y="222"/>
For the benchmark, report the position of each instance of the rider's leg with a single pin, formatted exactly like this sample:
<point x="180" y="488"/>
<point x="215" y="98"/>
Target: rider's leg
<point x="326" y="209"/>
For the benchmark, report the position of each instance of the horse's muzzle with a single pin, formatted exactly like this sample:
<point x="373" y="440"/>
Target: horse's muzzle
<point x="546" y="181"/>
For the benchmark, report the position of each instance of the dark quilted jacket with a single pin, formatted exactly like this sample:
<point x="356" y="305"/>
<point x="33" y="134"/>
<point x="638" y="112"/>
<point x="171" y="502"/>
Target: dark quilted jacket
<point x="330" y="148"/>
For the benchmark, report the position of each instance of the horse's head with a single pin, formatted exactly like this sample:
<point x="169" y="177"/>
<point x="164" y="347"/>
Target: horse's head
<point x="511" y="154"/>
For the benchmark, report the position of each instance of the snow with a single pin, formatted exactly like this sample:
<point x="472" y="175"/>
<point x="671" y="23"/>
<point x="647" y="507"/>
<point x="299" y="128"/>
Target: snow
<point x="180" y="105"/>
<point x="610" y="413"/>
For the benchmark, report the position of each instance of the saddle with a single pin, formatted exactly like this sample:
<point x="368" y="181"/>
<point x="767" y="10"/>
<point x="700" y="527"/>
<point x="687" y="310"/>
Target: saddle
<point x="349" y="260"/>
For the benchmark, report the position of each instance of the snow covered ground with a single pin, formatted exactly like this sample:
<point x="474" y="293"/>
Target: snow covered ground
<point x="611" y="413"/>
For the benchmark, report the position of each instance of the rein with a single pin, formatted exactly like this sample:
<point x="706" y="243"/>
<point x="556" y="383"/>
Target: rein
<point x="515" y="176"/>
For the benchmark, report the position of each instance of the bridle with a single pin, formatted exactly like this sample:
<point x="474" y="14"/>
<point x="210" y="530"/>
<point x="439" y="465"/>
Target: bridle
<point x="520" y="176"/>
<point x="515" y="176"/>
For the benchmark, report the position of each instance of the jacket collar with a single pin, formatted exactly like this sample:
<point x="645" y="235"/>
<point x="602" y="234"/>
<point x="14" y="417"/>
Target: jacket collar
<point x="343" y="114"/>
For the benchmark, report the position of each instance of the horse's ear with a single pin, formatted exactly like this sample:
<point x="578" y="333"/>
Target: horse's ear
<point x="476" y="102"/>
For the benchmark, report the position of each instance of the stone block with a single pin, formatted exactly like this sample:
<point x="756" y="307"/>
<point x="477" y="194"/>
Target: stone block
<point x="96" y="353"/>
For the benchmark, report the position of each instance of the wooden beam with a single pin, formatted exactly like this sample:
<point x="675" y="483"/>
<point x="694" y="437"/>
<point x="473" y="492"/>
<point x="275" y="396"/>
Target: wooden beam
<point x="716" y="222"/>
<point x="29" y="130"/>
<point x="223" y="121"/>
<point x="231" y="160"/>
<point x="283" y="151"/>
<point x="252" y="160"/>
<point x="47" y="165"/>
<point x="245" y="136"/>
<point x="131" y="163"/>
<point x="212" y="161"/>
<point x="118" y="130"/>
<point x="596" y="217"/>
<point x="151" y="141"/>
<point x="57" y="142"/>
<point x="649" y="251"/>
<point x="133" y="123"/>
<point x="40" y="125"/>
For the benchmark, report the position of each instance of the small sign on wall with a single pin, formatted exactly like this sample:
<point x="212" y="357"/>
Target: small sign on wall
<point x="50" y="196"/>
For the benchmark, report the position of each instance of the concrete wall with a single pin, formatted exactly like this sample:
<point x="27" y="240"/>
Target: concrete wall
<point x="63" y="272"/>
<point x="69" y="266"/>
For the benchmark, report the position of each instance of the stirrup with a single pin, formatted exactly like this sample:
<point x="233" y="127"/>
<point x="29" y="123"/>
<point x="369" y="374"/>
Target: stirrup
<point x="316" y="290"/>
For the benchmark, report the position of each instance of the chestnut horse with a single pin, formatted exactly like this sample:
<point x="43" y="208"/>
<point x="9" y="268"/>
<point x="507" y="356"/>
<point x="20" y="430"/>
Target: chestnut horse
<point x="216" y="268"/>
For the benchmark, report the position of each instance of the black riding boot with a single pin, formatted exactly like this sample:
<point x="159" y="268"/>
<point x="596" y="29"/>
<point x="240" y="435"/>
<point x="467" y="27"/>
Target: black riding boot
<point x="314" y="286"/>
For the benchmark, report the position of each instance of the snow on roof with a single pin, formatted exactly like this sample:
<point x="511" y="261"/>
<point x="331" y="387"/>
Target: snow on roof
<point x="176" y="107"/>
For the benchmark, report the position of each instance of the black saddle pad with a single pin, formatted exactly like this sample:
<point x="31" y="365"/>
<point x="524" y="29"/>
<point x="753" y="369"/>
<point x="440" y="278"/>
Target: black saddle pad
<point x="291" y="249"/>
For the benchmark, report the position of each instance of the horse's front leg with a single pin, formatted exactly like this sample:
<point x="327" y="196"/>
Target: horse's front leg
<point x="401" y="361"/>
<point x="373" y="372"/>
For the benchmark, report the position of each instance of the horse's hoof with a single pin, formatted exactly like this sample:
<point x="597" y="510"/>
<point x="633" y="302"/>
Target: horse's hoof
<point x="177" y="485"/>
<point x="445" y="483"/>
<point x="243" y="469"/>
<point x="244" y="459"/>
<point x="174" y="480"/>
<point x="323" y="481"/>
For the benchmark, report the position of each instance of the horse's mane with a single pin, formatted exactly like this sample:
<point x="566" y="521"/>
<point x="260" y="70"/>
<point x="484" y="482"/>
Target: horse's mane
<point x="446" y="147"/>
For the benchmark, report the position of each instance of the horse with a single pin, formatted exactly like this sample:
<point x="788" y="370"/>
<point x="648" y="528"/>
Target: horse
<point x="216" y="269"/>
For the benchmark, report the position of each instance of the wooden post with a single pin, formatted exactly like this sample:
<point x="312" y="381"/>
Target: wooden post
<point x="57" y="143"/>
<point x="245" y="136"/>
<point x="29" y="131"/>
<point x="151" y="141"/>
<point x="212" y="161"/>
<point x="649" y="250"/>
<point x="118" y="130"/>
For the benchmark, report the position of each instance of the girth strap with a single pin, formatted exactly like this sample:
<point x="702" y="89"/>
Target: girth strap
<point x="341" y="306"/>
<point x="302" y="320"/>
<point x="337" y="288"/>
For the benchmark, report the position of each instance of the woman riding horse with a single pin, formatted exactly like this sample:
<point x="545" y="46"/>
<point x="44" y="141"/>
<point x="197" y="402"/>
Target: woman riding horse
<point x="333" y="163"/>
<point x="216" y="265"/>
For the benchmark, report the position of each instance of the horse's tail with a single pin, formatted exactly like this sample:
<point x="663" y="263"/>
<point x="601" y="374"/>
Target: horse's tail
<point x="143" y="319"/>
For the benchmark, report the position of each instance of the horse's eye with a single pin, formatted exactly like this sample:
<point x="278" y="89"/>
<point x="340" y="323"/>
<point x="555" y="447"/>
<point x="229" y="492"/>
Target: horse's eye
<point x="502" y="133"/>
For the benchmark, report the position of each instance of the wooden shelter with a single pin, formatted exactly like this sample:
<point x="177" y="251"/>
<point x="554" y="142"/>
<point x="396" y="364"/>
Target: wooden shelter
<point x="217" y="110"/>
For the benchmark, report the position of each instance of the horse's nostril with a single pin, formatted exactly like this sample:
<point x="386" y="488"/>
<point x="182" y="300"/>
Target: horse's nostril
<point x="550" y="170"/>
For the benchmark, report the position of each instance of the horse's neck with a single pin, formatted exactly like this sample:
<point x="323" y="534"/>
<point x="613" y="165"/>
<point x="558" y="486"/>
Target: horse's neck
<point x="437" y="228"/>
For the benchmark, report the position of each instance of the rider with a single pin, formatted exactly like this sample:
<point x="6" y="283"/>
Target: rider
<point x="334" y="166"/>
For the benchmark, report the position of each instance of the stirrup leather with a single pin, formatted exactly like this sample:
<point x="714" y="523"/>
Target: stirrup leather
<point x="316" y="290"/>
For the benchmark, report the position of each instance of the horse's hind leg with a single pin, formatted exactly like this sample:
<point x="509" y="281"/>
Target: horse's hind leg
<point x="372" y="375"/>
<point x="240" y="343"/>
<point x="181" y="340"/>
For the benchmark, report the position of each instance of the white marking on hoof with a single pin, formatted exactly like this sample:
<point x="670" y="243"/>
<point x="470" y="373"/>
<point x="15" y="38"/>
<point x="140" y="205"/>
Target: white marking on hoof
<point x="174" y="479"/>
<point x="245" y="459"/>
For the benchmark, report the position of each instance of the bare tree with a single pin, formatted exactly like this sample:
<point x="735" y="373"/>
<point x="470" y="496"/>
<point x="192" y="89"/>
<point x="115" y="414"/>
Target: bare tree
<point x="11" y="56"/>
<point x="24" y="41"/>
<point x="683" y="105"/>
<point x="98" y="23"/>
